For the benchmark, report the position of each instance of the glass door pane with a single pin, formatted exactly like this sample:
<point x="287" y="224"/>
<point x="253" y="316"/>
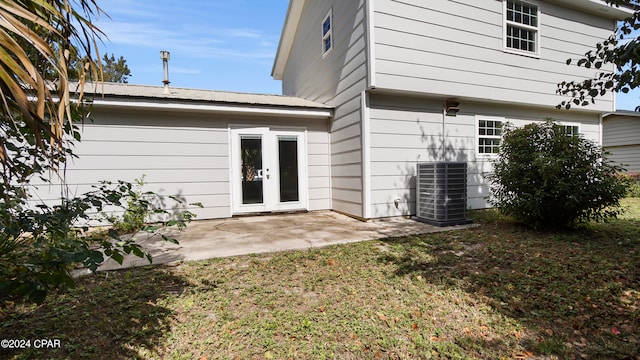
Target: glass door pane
<point x="252" y="174"/>
<point x="288" y="171"/>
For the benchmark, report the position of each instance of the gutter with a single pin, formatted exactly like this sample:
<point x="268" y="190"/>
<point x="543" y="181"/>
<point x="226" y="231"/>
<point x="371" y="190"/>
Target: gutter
<point x="226" y="109"/>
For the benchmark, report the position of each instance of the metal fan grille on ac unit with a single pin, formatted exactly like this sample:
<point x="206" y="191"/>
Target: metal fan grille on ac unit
<point x="442" y="193"/>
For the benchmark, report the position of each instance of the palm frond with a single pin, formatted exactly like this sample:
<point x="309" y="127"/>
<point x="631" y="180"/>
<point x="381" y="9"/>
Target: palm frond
<point x="35" y="40"/>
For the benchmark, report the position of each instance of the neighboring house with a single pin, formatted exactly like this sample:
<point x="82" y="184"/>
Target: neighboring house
<point x="621" y="137"/>
<point x="391" y="68"/>
<point x="372" y="87"/>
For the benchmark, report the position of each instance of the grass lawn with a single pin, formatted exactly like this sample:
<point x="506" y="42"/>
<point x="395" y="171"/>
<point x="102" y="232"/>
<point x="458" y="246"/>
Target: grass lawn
<point x="494" y="292"/>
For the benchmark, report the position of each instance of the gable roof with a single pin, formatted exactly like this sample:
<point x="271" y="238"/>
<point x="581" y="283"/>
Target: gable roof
<point x="291" y="22"/>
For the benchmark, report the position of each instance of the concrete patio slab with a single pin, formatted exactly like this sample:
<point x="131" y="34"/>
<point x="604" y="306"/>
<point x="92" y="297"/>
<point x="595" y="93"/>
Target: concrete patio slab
<point x="269" y="233"/>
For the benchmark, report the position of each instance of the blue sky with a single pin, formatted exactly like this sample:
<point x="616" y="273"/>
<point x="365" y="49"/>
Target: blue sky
<point x="225" y="45"/>
<point x="628" y="101"/>
<point x="215" y="44"/>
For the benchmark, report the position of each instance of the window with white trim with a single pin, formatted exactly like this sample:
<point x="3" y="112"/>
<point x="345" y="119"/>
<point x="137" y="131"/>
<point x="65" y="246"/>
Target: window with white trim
<point x="489" y="135"/>
<point x="571" y="130"/>
<point x="327" y="33"/>
<point x="522" y="24"/>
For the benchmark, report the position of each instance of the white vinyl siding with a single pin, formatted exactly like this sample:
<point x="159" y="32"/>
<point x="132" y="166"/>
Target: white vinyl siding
<point x="180" y="154"/>
<point x="318" y="163"/>
<point x="337" y="80"/>
<point x="626" y="156"/>
<point x="456" y="49"/>
<point x="621" y="137"/>
<point x="407" y="130"/>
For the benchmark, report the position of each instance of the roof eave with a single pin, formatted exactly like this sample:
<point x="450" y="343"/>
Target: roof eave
<point x="601" y="8"/>
<point x="146" y="104"/>
<point x="629" y="113"/>
<point x="289" y="28"/>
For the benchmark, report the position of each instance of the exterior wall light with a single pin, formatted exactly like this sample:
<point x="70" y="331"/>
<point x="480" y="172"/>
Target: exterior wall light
<point x="451" y="107"/>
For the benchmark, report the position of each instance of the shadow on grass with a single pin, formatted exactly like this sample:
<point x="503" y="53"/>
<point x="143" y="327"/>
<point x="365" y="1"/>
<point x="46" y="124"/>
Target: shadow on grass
<point x="101" y="318"/>
<point x="577" y="293"/>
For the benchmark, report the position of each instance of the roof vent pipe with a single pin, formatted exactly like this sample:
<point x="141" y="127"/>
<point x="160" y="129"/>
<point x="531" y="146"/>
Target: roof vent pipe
<point x="165" y="56"/>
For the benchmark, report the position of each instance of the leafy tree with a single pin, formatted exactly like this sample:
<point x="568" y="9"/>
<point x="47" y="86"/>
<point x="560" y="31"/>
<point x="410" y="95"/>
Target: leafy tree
<point x="115" y="70"/>
<point x="621" y="49"/>
<point x="41" y="44"/>
<point x="110" y="68"/>
<point x="546" y="178"/>
<point x="36" y="40"/>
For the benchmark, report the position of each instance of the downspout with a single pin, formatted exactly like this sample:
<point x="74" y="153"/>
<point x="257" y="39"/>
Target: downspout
<point x="601" y="128"/>
<point x="444" y="116"/>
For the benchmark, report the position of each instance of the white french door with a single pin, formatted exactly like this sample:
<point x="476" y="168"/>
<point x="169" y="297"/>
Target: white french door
<point x="268" y="170"/>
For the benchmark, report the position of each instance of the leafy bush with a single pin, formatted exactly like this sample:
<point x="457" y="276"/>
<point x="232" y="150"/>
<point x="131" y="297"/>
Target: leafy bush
<point x="544" y="178"/>
<point x="39" y="246"/>
<point x="634" y="184"/>
<point x="140" y="207"/>
<point x="41" y="243"/>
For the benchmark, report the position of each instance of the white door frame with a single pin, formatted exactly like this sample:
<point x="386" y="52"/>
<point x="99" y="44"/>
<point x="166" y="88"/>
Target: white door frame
<point x="269" y="175"/>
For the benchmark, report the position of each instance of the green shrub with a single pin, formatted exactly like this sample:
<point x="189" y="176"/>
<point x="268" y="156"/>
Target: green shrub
<point x="41" y="243"/>
<point x="545" y="178"/>
<point x="138" y="208"/>
<point x="634" y="184"/>
<point x="39" y="246"/>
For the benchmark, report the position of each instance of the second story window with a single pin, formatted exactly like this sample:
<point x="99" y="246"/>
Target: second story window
<point x="327" y="33"/>
<point x="522" y="23"/>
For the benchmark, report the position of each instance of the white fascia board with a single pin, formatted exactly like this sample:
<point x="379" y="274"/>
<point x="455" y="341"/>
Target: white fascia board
<point x="622" y="11"/>
<point x="629" y="113"/>
<point x="226" y="109"/>
<point x="600" y="7"/>
<point x="286" y="38"/>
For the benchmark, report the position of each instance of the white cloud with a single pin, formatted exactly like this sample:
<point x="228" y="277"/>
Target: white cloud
<point x="245" y="33"/>
<point x="244" y="44"/>
<point x="209" y="40"/>
<point x="186" y="71"/>
<point x="118" y="9"/>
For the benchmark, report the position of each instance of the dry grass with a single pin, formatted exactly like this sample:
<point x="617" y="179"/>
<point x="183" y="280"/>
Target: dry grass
<point x="498" y="291"/>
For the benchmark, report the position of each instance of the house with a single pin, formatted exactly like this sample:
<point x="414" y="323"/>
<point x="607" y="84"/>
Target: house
<point x="371" y="88"/>
<point x="397" y="71"/>
<point x="621" y="138"/>
<point x="190" y="143"/>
